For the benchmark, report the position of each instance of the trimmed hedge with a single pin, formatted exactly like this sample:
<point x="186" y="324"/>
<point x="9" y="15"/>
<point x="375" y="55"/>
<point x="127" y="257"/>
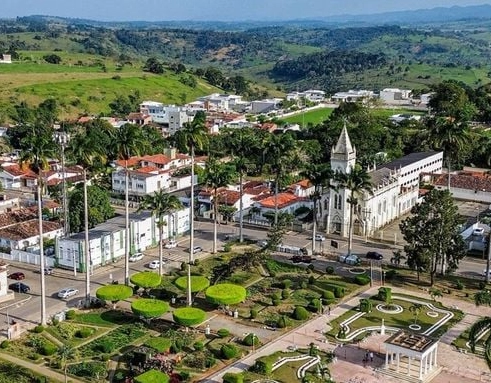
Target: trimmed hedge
<point x="152" y="376"/>
<point x="188" y="316"/>
<point x="250" y="340"/>
<point x="230" y="377"/>
<point x="338" y="291"/>
<point x="198" y="283"/>
<point x="114" y="293"/>
<point x="149" y="308"/>
<point x="146" y="279"/>
<point x="225" y="294"/>
<point x="228" y="351"/>
<point x="300" y="313"/>
<point x="328" y="295"/>
<point x="159" y="343"/>
<point x="314" y="305"/>
<point x="263" y="366"/>
<point x="362" y="280"/>
<point x="223" y="333"/>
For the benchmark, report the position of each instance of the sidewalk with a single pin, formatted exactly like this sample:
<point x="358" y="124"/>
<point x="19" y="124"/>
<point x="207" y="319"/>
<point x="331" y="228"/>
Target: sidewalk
<point x="457" y="367"/>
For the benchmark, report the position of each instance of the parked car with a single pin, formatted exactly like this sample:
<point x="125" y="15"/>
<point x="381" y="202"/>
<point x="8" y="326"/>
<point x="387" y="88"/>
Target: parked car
<point x="302" y="259"/>
<point x="320" y="237"/>
<point x="136" y="257"/>
<point x="196" y="249"/>
<point x="170" y="244"/>
<point x="48" y="271"/>
<point x="349" y="259"/>
<point x="375" y="255"/>
<point x="484" y="272"/>
<point x="478" y="231"/>
<point x="18" y="276"/>
<point x="154" y="264"/>
<point x="19" y="287"/>
<point x="67" y="293"/>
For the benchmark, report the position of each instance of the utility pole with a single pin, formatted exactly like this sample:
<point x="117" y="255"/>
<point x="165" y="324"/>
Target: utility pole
<point x="489" y="258"/>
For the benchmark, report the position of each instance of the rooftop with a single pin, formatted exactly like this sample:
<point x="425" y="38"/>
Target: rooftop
<point x="411" y="341"/>
<point x="408" y="160"/>
<point x="27" y="229"/>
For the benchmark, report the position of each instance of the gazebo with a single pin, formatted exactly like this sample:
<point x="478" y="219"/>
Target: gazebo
<point x="403" y="348"/>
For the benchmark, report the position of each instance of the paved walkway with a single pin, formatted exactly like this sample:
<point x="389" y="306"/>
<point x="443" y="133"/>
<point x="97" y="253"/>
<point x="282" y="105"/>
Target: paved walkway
<point x="456" y="367"/>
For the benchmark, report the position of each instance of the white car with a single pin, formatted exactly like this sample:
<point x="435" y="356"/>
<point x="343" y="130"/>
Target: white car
<point x="170" y="244"/>
<point x="154" y="264"/>
<point x="320" y="237"/>
<point x="478" y="231"/>
<point x="67" y="293"/>
<point x="136" y="257"/>
<point x="484" y="272"/>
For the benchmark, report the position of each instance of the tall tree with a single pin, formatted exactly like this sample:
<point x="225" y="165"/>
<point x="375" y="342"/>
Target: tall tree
<point x="319" y="175"/>
<point x="482" y="326"/>
<point x="217" y="175"/>
<point x="128" y="142"/>
<point x="161" y="204"/>
<point x="191" y="137"/>
<point x="86" y="151"/>
<point x="357" y="182"/>
<point x="65" y="353"/>
<point x="37" y="148"/>
<point x="432" y="235"/>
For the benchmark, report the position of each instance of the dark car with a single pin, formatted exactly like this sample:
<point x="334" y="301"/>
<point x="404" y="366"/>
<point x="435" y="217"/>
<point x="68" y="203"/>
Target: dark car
<point x="302" y="259"/>
<point x="375" y="255"/>
<point x="18" y="276"/>
<point x="19" y="287"/>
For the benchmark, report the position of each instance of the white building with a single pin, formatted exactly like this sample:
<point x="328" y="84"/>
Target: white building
<point x="311" y="95"/>
<point x="265" y="106"/>
<point x="352" y="96"/>
<point x="25" y="235"/>
<point x="395" y="189"/>
<point x="6" y="59"/>
<point x="395" y="96"/>
<point x="177" y="118"/>
<point x="149" y="174"/>
<point x="107" y="240"/>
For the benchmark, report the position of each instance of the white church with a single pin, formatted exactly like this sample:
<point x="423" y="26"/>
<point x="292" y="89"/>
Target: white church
<point x="395" y="189"/>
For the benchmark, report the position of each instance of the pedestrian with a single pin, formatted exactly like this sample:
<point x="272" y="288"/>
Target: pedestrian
<point x="371" y="356"/>
<point x="366" y="356"/>
<point x="329" y="310"/>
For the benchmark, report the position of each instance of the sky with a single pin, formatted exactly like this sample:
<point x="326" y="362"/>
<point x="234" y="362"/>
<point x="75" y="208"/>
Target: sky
<point x="213" y="10"/>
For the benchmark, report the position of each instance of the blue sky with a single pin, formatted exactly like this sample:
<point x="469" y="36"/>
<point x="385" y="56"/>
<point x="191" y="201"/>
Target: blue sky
<point x="225" y="10"/>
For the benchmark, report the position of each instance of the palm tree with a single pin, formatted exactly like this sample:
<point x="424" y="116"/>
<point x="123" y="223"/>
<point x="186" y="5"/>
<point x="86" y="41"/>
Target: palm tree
<point x="318" y="175"/>
<point x="160" y="204"/>
<point x="128" y="142"/>
<point x="415" y="310"/>
<point x="191" y="137"/>
<point x="217" y="175"/>
<point x="397" y="258"/>
<point x="435" y="293"/>
<point x="357" y="182"/>
<point x="85" y="150"/>
<point x="37" y="149"/>
<point x="65" y="353"/>
<point x="279" y="155"/>
<point x="477" y="330"/>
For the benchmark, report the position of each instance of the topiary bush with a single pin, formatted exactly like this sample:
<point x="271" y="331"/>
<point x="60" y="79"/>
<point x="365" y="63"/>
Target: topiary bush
<point x="276" y="302"/>
<point x="146" y="279"/>
<point x="198" y="283"/>
<point x="282" y="322"/>
<point x="329" y="270"/>
<point x="114" y="293"/>
<point x="285" y="294"/>
<point x="84" y="332"/>
<point x="366" y="305"/>
<point x="362" y="280"/>
<point x="229" y="351"/>
<point x="311" y="280"/>
<point x="39" y="329"/>
<point x="303" y="285"/>
<point x="314" y="305"/>
<point x="188" y="316"/>
<point x="253" y="314"/>
<point x="223" y="333"/>
<point x="105" y="346"/>
<point x="250" y="340"/>
<point x="264" y="366"/>
<point x="286" y="284"/>
<point x="198" y="346"/>
<point x="300" y="313"/>
<point x="225" y="294"/>
<point x="5" y="344"/>
<point x="70" y="314"/>
<point x="276" y="295"/>
<point x="230" y="377"/>
<point x="48" y="349"/>
<point x="149" y="308"/>
<point x="328" y="295"/>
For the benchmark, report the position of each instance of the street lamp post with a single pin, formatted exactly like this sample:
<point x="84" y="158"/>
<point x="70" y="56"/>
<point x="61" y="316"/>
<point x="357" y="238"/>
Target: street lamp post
<point x="63" y="138"/>
<point x="366" y="218"/>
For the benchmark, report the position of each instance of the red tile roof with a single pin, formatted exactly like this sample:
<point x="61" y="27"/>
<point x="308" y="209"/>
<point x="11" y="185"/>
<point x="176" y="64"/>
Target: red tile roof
<point x="468" y="181"/>
<point x="284" y="200"/>
<point x="27" y="229"/>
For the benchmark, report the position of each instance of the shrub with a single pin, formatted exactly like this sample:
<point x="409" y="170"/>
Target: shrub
<point x="70" y="314"/>
<point x="84" y="332"/>
<point x="276" y="302"/>
<point x="149" y="308"/>
<point x="390" y="274"/>
<point x="105" y="357"/>
<point x="184" y="266"/>
<point x="286" y="284"/>
<point x="250" y="340"/>
<point x="459" y="285"/>
<point x="311" y="267"/>
<point x="276" y="295"/>
<point x="263" y="366"/>
<point x="300" y="313"/>
<point x="225" y="294"/>
<point x="55" y="321"/>
<point x="4" y="344"/>
<point x="48" y="349"/>
<point x="303" y="285"/>
<point x="227" y="248"/>
<point x="188" y="316"/>
<point x="184" y="375"/>
<point x="311" y="280"/>
<point x="253" y="314"/>
<point x="198" y="283"/>
<point x="198" y="346"/>
<point x="114" y="293"/>
<point x="146" y="279"/>
<point x="282" y="322"/>
<point x="105" y="347"/>
<point x="285" y="294"/>
<point x="315" y="305"/>
<point x="366" y="305"/>
<point x="230" y="377"/>
<point x="39" y="329"/>
<point x="362" y="280"/>
<point x="34" y="356"/>
<point x="336" y="289"/>
<point x="385" y="294"/>
<point x="482" y="285"/>
<point x="328" y="295"/>
<point x="330" y="270"/>
<point x="223" y="333"/>
<point x="228" y="351"/>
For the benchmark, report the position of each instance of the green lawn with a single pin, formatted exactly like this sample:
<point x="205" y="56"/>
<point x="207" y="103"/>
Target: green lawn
<point x="315" y="117"/>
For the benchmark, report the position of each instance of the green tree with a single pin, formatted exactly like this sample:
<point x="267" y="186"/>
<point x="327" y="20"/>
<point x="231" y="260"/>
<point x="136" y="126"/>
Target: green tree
<point x="114" y="293"/>
<point x="319" y="174"/>
<point x="191" y="137"/>
<point x="37" y="148"/>
<point x="216" y="176"/>
<point x="153" y="65"/>
<point x="357" y="182"/>
<point x="415" y="310"/>
<point x="65" y="354"/>
<point x="432" y="235"/>
<point x="85" y="151"/>
<point x="100" y="209"/>
<point x="52" y="59"/>
<point x="128" y="142"/>
<point x="161" y="204"/>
